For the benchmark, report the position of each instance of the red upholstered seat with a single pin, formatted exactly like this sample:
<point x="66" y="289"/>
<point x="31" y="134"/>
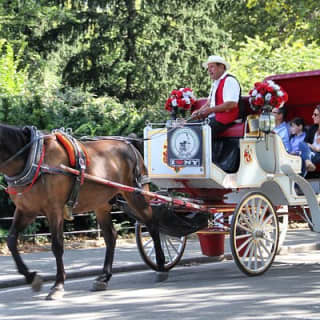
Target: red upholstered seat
<point x="234" y="131"/>
<point x="199" y="103"/>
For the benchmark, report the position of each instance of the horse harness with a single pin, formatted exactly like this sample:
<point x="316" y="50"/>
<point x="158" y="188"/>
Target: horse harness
<point x="36" y="153"/>
<point x="140" y="178"/>
<point x="78" y="159"/>
<point x="34" y="167"/>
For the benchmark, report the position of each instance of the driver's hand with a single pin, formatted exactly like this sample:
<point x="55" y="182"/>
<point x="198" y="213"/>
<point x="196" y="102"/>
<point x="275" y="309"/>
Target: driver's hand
<point x="196" y="114"/>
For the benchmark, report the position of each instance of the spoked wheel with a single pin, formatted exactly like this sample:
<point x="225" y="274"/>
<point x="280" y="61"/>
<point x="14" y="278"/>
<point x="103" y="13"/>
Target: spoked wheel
<point x="172" y="247"/>
<point x="254" y="234"/>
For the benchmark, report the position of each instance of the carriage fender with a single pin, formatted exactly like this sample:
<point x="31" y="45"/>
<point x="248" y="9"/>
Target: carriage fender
<point x="272" y="189"/>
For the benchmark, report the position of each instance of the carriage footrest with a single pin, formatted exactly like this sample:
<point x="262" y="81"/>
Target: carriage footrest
<point x="178" y="224"/>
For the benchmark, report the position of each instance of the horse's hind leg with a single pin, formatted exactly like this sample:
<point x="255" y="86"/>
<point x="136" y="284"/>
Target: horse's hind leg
<point x="110" y="237"/>
<point x="143" y="213"/>
<point x="20" y="222"/>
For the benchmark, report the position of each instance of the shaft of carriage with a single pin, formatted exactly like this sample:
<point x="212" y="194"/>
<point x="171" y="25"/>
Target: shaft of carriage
<point x="149" y="194"/>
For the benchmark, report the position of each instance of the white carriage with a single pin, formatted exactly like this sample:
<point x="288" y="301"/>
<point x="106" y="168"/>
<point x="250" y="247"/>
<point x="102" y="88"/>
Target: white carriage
<point x="245" y="173"/>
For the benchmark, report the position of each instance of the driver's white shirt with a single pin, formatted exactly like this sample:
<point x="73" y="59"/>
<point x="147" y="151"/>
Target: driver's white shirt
<point x="231" y="91"/>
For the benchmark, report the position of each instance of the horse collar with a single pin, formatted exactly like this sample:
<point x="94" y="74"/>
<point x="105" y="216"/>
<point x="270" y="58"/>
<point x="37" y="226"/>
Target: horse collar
<point x="27" y="174"/>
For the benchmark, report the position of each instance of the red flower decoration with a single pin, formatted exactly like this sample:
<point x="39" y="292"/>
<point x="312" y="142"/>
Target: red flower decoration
<point x="267" y="95"/>
<point x="182" y="98"/>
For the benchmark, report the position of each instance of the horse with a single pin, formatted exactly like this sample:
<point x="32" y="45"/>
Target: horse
<point x="47" y="195"/>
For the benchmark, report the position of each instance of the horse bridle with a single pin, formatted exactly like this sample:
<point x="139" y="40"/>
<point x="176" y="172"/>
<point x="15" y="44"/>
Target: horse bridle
<point x="18" y="153"/>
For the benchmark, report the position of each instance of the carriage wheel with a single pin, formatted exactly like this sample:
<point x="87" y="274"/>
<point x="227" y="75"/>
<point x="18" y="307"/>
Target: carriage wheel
<point x="254" y="234"/>
<point x="173" y="248"/>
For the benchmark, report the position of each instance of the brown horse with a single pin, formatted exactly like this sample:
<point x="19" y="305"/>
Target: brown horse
<point x="109" y="159"/>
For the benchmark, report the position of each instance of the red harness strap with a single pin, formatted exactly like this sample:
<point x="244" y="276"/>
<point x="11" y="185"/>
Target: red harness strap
<point x="11" y="190"/>
<point x="69" y="148"/>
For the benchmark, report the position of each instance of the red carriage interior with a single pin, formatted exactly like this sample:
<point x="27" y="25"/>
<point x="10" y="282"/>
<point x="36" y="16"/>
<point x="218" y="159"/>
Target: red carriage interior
<point x="303" y="90"/>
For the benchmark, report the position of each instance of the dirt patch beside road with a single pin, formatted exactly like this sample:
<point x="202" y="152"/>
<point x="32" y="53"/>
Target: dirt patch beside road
<point x="31" y="247"/>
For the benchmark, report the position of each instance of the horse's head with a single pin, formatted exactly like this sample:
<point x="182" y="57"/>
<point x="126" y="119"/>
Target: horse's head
<point x="13" y="139"/>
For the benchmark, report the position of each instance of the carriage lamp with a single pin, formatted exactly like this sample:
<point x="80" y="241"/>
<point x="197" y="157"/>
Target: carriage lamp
<point x="266" y="122"/>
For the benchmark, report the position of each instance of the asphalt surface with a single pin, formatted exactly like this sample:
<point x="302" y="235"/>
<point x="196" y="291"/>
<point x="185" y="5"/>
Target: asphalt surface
<point x="88" y="262"/>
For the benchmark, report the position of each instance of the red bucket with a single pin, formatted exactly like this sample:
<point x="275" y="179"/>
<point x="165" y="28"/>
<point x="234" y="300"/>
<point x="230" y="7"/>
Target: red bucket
<point x="211" y="243"/>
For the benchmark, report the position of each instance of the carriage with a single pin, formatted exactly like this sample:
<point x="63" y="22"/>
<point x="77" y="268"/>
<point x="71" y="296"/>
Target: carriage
<point x="243" y="179"/>
<point x="242" y="183"/>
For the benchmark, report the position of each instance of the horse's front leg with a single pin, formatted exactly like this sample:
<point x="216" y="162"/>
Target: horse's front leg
<point x="56" y="221"/>
<point x="20" y="222"/>
<point x="110" y="237"/>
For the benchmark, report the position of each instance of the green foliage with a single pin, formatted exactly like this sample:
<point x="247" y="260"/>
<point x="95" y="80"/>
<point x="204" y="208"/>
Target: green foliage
<point x="276" y="19"/>
<point x="135" y="51"/>
<point x="3" y="235"/>
<point x="32" y="228"/>
<point x="12" y="79"/>
<point x="122" y="227"/>
<point x="91" y="221"/>
<point x="72" y="108"/>
<point x="257" y="59"/>
<point x="105" y="67"/>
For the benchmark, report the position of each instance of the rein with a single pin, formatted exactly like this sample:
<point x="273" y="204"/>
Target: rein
<point x="161" y="134"/>
<point x="120" y="138"/>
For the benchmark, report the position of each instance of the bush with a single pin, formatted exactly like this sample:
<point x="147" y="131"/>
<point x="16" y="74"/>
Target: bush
<point x="257" y="59"/>
<point x="3" y="235"/>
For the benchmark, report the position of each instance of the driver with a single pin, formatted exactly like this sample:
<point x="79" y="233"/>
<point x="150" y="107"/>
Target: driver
<point x="222" y="106"/>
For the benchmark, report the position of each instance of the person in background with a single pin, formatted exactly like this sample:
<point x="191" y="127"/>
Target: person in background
<point x="298" y="146"/>
<point x="222" y="107"/>
<point x="297" y="135"/>
<point x="281" y="127"/>
<point x="312" y="138"/>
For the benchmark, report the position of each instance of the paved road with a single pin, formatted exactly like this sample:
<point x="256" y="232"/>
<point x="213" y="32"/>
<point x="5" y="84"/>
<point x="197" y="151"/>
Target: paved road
<point x="88" y="262"/>
<point x="289" y="290"/>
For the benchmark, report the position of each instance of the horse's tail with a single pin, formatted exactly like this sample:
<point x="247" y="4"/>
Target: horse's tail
<point x="138" y="143"/>
<point x="141" y="178"/>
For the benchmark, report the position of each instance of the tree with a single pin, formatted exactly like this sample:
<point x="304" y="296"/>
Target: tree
<point x="137" y="51"/>
<point x="257" y="59"/>
<point x="278" y="20"/>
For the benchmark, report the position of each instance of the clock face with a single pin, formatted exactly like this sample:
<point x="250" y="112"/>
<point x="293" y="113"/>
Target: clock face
<point x="185" y="143"/>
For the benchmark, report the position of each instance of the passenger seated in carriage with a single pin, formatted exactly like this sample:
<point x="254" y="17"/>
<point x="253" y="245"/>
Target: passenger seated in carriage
<point x="298" y="146"/>
<point x="310" y="148"/>
<point x="297" y="135"/>
<point x="222" y="106"/>
<point x="293" y="138"/>
<point x="282" y="128"/>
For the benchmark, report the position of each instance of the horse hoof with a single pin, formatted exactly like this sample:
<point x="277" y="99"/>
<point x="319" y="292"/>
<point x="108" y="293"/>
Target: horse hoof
<point x="36" y="283"/>
<point x="161" y="276"/>
<point x="99" y="286"/>
<point x="55" y="294"/>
